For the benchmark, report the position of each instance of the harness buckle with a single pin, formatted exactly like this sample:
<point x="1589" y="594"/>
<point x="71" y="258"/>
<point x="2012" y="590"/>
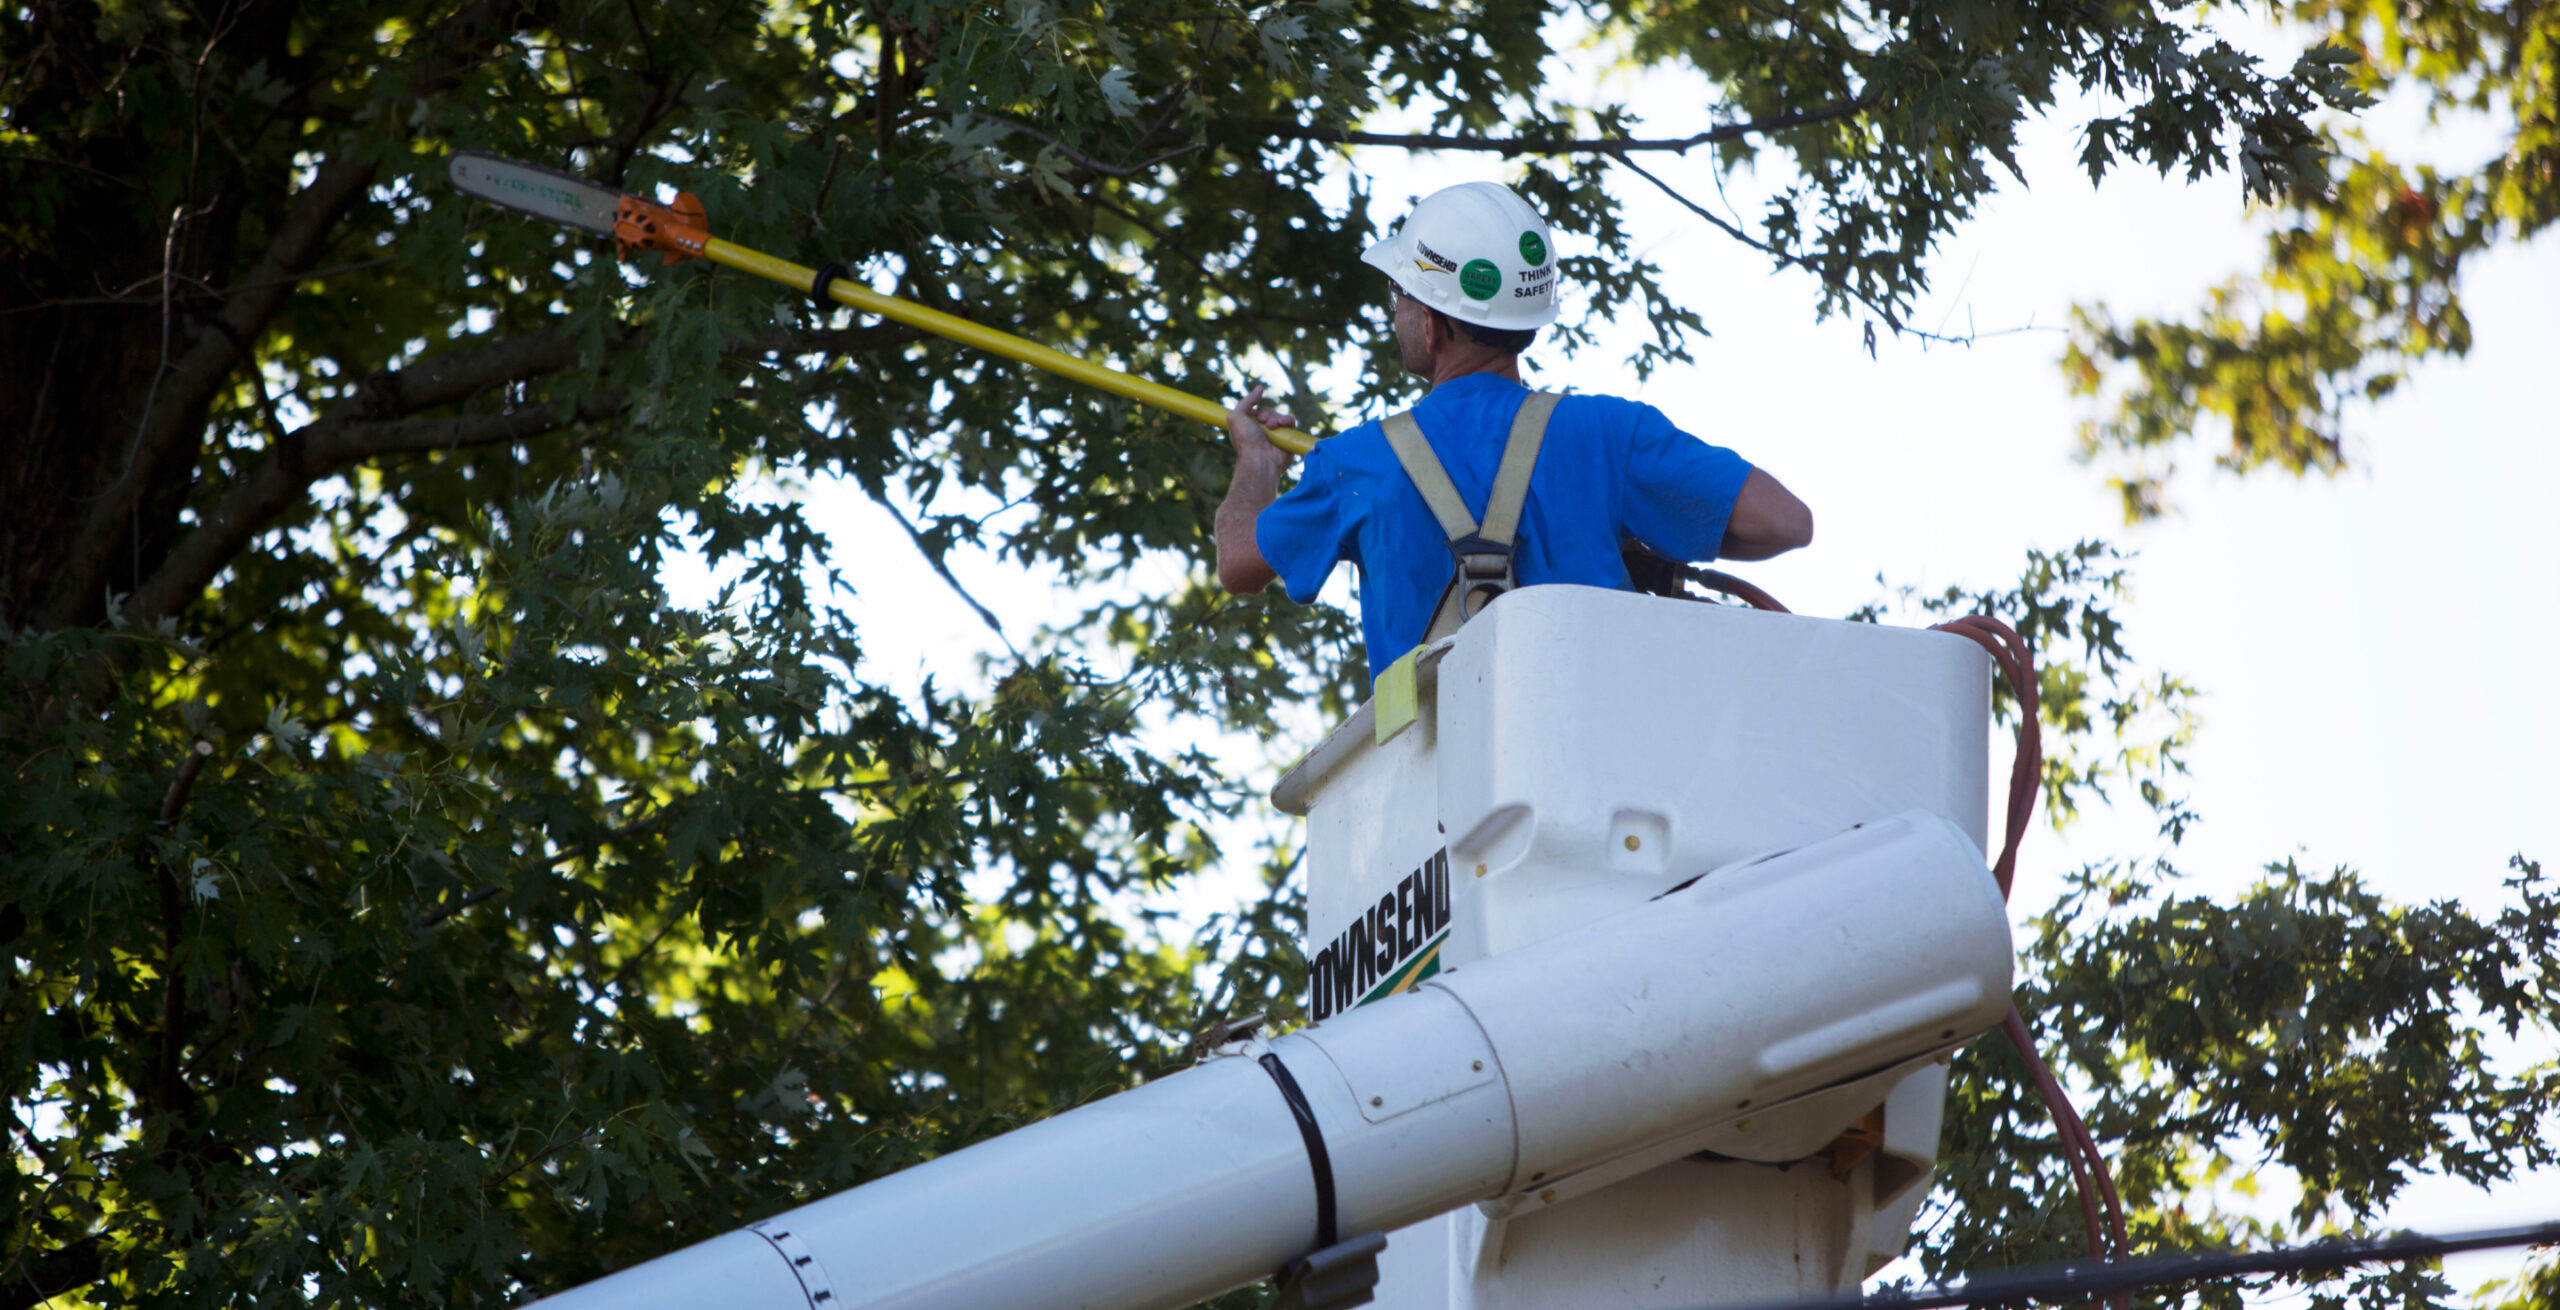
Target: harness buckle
<point x="1485" y="571"/>
<point x="1481" y="560"/>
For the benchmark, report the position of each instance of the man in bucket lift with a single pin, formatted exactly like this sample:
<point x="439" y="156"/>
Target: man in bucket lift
<point x="1474" y="279"/>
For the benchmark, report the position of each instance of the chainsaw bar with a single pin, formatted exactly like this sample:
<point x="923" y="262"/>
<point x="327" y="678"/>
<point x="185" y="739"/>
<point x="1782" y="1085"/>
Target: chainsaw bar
<point x="573" y="201"/>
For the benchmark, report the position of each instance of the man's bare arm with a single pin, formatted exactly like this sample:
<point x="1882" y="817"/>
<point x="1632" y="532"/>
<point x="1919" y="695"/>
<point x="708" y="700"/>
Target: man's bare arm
<point x="1259" y="464"/>
<point x="1767" y="520"/>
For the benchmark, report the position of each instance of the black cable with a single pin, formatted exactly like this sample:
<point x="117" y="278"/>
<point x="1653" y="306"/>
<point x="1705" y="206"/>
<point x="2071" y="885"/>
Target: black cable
<point x="2075" y="1282"/>
<point x="1327" y="1232"/>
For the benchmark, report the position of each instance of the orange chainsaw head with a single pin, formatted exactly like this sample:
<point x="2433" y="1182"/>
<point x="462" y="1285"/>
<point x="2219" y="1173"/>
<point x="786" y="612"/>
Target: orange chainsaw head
<point x="679" y="229"/>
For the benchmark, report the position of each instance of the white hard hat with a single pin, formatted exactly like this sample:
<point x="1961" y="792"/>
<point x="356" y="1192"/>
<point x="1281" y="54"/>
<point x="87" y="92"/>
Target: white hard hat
<point x="1476" y="252"/>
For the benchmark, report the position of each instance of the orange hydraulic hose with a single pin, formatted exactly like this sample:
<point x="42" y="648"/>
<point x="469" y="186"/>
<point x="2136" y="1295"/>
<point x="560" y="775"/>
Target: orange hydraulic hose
<point x="1733" y="586"/>
<point x="2080" y="1148"/>
<point x="2026" y="770"/>
<point x="2050" y="1088"/>
<point x="2101" y="1209"/>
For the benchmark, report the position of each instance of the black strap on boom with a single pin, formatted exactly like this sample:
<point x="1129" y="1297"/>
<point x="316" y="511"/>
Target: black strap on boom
<point x="1327" y="1233"/>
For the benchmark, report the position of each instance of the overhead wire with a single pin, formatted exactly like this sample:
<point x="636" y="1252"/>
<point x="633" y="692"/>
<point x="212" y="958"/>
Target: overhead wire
<point x="2123" y="1277"/>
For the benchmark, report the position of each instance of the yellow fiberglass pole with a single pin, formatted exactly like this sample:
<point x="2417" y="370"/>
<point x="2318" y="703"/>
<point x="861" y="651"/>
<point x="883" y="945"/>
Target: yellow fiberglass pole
<point x="732" y="255"/>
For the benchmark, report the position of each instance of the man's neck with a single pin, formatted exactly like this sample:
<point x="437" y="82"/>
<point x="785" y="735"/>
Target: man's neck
<point x="1451" y="365"/>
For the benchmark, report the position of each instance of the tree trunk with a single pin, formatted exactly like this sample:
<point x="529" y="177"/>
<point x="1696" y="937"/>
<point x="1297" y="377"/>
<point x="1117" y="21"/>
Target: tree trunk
<point x="86" y="336"/>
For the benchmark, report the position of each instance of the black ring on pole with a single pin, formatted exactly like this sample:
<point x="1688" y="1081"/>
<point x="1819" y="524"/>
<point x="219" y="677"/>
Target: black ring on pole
<point x="828" y="272"/>
<point x="1317" y="1159"/>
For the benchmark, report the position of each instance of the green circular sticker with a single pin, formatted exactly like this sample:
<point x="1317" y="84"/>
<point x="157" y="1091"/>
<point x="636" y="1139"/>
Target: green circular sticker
<point x="1533" y="249"/>
<point x="1479" y="279"/>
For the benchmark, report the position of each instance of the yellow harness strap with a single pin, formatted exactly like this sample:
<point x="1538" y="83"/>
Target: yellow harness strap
<point x="1482" y="552"/>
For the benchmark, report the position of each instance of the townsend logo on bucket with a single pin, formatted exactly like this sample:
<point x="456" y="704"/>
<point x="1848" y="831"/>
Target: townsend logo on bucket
<point x="1390" y="947"/>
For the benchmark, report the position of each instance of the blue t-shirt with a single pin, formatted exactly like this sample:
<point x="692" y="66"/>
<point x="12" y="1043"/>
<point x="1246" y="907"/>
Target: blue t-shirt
<point x="1609" y="468"/>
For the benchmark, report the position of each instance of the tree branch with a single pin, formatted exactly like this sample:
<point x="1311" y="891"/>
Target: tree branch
<point x="1601" y="145"/>
<point x="205" y="293"/>
<point x="1078" y="157"/>
<point x="664" y="94"/>
<point x="280" y="481"/>
<point x="827" y="341"/>
<point x="1711" y="216"/>
<point x="161" y="432"/>
<point x="1891" y="319"/>
<point x="451" y="49"/>
<point x="168" y="1087"/>
<point x="352" y="430"/>
<point x="943" y="570"/>
<point x="1244" y="306"/>
<point x="397" y="393"/>
<point x="1885" y="312"/>
<point x="26" y="1285"/>
<point x="175" y="801"/>
<point x="436" y="917"/>
<point x="127" y="183"/>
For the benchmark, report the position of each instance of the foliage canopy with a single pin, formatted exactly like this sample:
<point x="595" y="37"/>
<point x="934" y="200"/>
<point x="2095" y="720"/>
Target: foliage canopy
<point x="404" y="901"/>
<point x="2364" y="267"/>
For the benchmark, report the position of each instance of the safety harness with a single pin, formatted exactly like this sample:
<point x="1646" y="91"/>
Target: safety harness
<point x="1482" y="552"/>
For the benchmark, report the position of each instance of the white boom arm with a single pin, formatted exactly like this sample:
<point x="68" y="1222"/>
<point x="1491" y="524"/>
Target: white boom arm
<point x="1587" y="1054"/>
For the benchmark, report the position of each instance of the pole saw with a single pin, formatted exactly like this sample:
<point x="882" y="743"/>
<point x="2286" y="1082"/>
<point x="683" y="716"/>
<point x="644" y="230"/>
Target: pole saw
<point x="681" y="231"/>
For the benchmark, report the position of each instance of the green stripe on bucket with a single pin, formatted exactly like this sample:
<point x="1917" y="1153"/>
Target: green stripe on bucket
<point x="1421" y="966"/>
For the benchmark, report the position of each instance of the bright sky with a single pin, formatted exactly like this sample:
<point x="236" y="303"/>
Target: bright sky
<point x="2374" y="648"/>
